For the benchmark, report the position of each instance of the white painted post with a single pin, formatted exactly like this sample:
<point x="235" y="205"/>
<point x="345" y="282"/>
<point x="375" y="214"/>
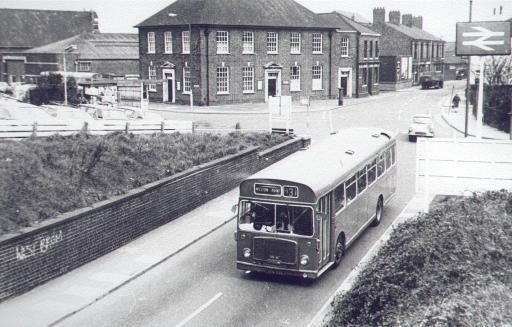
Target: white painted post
<point x="330" y="122"/>
<point x="480" y="112"/>
<point x="426" y="190"/>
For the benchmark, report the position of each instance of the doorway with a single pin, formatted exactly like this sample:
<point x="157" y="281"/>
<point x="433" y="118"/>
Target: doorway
<point x="345" y="81"/>
<point x="343" y="84"/>
<point x="273" y="83"/>
<point x="169" y="86"/>
<point x="370" y="80"/>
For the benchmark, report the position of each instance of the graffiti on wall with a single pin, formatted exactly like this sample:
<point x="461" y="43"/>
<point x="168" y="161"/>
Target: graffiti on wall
<point x="40" y="245"/>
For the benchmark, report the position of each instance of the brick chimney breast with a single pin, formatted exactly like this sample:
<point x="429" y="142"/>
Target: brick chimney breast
<point x="417" y="22"/>
<point x="379" y="16"/>
<point x="394" y="17"/>
<point x="407" y="19"/>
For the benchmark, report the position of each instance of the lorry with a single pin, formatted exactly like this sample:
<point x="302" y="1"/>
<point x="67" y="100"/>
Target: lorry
<point x="432" y="79"/>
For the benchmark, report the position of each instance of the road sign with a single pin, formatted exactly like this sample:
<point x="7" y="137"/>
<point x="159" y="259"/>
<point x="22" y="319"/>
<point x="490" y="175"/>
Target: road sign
<point x="482" y="39"/>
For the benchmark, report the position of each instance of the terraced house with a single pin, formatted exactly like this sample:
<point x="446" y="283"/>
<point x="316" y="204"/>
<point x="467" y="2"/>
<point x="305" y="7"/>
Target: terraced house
<point x="225" y="51"/>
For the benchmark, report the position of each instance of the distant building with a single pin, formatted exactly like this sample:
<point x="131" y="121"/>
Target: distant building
<point x="407" y="51"/>
<point x="23" y="29"/>
<point x="454" y="66"/>
<point x="108" y="54"/>
<point x="228" y="51"/>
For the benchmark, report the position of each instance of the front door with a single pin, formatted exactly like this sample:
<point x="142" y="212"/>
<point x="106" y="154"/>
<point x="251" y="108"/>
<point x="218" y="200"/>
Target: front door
<point x="273" y="83"/>
<point x="343" y="84"/>
<point x="170" y="93"/>
<point x="169" y="87"/>
<point x="370" y="81"/>
<point x="324" y="230"/>
<point x="272" y="87"/>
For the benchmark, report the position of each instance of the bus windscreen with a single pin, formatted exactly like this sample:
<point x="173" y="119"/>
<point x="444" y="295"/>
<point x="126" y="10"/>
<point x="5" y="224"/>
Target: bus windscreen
<point x="276" y="218"/>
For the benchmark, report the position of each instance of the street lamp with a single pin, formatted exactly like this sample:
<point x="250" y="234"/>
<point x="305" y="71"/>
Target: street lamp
<point x="70" y="48"/>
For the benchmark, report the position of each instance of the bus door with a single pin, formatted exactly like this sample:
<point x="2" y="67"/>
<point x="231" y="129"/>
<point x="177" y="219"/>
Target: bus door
<point x="324" y="230"/>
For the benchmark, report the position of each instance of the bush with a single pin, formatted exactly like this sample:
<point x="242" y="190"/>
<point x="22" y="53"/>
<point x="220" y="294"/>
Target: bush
<point x="450" y="267"/>
<point x="496" y="106"/>
<point x="41" y="178"/>
<point x="51" y="88"/>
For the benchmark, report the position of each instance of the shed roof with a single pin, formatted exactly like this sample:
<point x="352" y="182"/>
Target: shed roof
<point x="323" y="165"/>
<point x="96" y="46"/>
<point x="268" y="13"/>
<point x="30" y="28"/>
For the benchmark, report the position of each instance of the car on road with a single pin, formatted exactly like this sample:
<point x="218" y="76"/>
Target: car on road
<point x="421" y="127"/>
<point x="433" y="79"/>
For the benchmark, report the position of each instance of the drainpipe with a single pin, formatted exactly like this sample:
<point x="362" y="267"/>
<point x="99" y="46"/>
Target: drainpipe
<point x="206" y="34"/>
<point x="357" y="64"/>
<point x="330" y="64"/>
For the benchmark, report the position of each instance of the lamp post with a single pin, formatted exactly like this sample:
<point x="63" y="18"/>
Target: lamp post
<point x="70" y="48"/>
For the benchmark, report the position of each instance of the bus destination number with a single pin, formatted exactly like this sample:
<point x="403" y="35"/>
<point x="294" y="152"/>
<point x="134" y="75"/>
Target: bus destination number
<point x="266" y="189"/>
<point x="291" y="191"/>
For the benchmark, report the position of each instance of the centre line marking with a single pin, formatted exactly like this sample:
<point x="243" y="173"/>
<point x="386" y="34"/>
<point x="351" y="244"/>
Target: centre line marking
<point x="198" y="310"/>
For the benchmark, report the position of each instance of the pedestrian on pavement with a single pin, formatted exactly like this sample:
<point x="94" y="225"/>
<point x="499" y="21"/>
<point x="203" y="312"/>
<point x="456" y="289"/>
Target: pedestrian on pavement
<point x="455" y="101"/>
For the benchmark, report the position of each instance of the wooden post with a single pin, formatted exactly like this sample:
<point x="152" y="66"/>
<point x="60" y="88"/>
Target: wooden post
<point x="127" y="128"/>
<point x="34" y="128"/>
<point x="162" y="126"/>
<point x="86" y="127"/>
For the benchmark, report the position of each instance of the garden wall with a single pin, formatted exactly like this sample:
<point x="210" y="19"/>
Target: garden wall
<point x="38" y="254"/>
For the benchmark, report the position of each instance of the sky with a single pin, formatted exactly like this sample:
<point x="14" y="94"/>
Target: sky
<point x="439" y="16"/>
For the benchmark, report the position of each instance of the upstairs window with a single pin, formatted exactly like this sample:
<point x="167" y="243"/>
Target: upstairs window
<point x="185" y="41"/>
<point x="365" y="51"/>
<point x="295" y="78"/>
<point x="371" y="49"/>
<point x="186" y="80"/>
<point x="317" y="42"/>
<point x="295" y="43"/>
<point x="344" y="46"/>
<point x="272" y="42"/>
<point x="376" y="49"/>
<point x="248" y="42"/>
<point x="168" y="42"/>
<point x="316" y="73"/>
<point x="222" y="42"/>
<point x="151" y="42"/>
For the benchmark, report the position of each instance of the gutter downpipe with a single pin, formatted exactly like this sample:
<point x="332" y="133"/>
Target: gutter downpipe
<point x="207" y="50"/>
<point x="330" y="64"/>
<point x="358" y="39"/>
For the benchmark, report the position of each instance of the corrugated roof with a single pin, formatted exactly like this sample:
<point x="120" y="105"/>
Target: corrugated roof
<point x="32" y="28"/>
<point x="96" y="46"/>
<point x="414" y="32"/>
<point x="268" y="13"/>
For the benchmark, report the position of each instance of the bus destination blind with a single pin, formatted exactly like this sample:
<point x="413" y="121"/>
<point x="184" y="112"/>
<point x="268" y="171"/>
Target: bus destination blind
<point x="267" y="189"/>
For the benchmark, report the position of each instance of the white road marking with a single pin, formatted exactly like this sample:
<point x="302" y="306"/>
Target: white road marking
<point x="198" y="310"/>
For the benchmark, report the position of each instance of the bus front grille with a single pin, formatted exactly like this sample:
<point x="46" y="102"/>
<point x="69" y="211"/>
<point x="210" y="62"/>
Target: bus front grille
<point x="276" y="251"/>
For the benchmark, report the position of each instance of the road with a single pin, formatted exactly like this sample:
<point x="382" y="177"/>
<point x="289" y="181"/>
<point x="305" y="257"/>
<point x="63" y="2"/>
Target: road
<point x="201" y="286"/>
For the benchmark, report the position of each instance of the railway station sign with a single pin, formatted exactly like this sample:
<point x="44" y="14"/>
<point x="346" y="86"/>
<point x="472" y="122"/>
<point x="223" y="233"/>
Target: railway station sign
<point x="482" y="39"/>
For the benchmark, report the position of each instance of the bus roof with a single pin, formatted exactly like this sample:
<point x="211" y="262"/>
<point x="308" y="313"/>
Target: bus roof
<point x="325" y="164"/>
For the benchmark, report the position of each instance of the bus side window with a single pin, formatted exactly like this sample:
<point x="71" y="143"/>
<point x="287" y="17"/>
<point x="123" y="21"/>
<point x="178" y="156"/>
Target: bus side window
<point x="361" y="180"/>
<point x="393" y="154"/>
<point x="372" y="171"/>
<point x="339" y="197"/>
<point x="381" y="166"/>
<point x="388" y="158"/>
<point x="351" y="188"/>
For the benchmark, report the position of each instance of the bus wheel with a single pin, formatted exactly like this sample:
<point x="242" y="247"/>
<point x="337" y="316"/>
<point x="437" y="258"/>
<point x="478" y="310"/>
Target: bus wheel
<point x="378" y="213"/>
<point x="339" y="251"/>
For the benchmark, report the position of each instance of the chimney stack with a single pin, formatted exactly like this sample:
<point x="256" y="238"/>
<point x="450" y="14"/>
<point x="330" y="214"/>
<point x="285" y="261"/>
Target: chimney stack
<point x="379" y="16"/>
<point x="407" y="19"/>
<point x="417" y="22"/>
<point x="394" y="17"/>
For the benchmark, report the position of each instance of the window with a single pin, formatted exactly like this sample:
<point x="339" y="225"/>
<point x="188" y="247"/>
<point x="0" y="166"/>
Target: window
<point x="295" y="42"/>
<point x="222" y="80"/>
<point x="151" y="42"/>
<point x="361" y="180"/>
<point x="168" y="42"/>
<point x="364" y="76"/>
<point x="84" y="66"/>
<point x="248" y="42"/>
<point x="376" y="49"/>
<point x="415" y="50"/>
<point x="339" y="197"/>
<point x="222" y="42"/>
<point x="272" y="42"/>
<point x="152" y="76"/>
<point x="316" y="73"/>
<point x="432" y="46"/>
<point x="381" y="166"/>
<point x="376" y="75"/>
<point x="365" y="51"/>
<point x="351" y="188"/>
<point x="295" y="78"/>
<point x="248" y="79"/>
<point x="393" y="155"/>
<point x="421" y="51"/>
<point x="317" y="42"/>
<point x="372" y="171"/>
<point x="344" y="46"/>
<point x="185" y="41"/>
<point x="186" y="80"/>
<point x="388" y="158"/>
<point x="371" y="49"/>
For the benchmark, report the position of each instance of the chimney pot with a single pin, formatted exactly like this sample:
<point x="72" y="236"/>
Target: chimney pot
<point x="379" y="15"/>
<point x="394" y="17"/>
<point x="407" y="20"/>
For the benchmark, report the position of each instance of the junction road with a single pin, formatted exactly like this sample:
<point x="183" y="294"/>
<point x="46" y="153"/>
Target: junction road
<point x="200" y="286"/>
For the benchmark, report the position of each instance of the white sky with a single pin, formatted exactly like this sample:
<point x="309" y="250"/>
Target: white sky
<point x="439" y="16"/>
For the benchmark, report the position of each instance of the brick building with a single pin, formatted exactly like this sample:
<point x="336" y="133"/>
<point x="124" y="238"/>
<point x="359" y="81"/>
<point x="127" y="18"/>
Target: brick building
<point x="407" y="51"/>
<point x="453" y="63"/>
<point x="240" y="51"/>
<point x="109" y="54"/>
<point x="23" y="29"/>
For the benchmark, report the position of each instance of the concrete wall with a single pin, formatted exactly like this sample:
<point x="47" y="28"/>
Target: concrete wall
<point x="38" y="254"/>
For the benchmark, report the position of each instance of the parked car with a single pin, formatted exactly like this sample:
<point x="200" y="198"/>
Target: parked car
<point x="421" y="127"/>
<point x="433" y="79"/>
<point x="460" y="74"/>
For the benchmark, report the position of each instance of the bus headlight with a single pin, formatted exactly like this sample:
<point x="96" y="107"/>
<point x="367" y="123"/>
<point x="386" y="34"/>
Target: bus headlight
<point x="247" y="252"/>
<point x="304" y="260"/>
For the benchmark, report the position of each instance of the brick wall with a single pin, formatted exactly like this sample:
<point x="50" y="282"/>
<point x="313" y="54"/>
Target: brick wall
<point x="56" y="246"/>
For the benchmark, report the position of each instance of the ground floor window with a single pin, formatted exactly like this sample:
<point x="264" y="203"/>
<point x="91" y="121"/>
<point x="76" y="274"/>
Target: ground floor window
<point x="364" y="74"/>
<point x="376" y="75"/>
<point x="295" y="78"/>
<point x="152" y="76"/>
<point x="248" y="79"/>
<point x="222" y="80"/>
<point x="186" y="80"/>
<point x="316" y="74"/>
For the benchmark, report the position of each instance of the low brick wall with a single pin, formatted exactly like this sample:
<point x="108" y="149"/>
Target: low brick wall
<point x="38" y="254"/>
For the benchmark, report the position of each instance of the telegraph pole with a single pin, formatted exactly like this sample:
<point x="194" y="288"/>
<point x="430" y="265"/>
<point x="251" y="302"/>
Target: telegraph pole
<point x="468" y="74"/>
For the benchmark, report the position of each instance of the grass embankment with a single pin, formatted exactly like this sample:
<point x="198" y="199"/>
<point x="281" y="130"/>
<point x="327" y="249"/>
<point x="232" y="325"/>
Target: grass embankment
<point x="40" y="178"/>
<point x="450" y="267"/>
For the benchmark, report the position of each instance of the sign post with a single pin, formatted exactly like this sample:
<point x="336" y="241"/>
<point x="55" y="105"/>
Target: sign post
<point x="481" y="39"/>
